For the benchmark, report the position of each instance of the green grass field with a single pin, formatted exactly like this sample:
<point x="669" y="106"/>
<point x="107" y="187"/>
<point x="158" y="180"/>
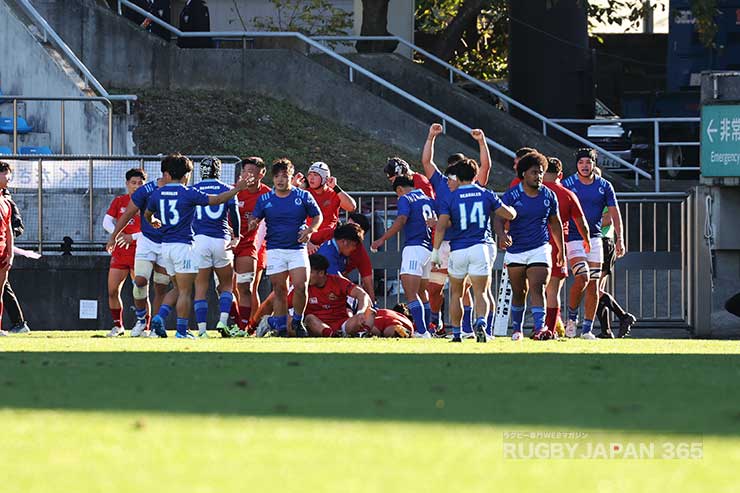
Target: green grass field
<point x="81" y="414"/>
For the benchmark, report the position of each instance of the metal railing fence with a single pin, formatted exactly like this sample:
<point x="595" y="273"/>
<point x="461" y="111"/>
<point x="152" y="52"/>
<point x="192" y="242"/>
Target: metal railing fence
<point x="14" y="99"/>
<point x="453" y="71"/>
<point x="49" y="34"/>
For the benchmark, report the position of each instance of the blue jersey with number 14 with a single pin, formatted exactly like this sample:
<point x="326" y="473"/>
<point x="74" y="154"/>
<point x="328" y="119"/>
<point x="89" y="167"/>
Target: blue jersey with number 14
<point x="174" y="204"/>
<point x="469" y="208"/>
<point x="213" y="220"/>
<point x="417" y="208"/>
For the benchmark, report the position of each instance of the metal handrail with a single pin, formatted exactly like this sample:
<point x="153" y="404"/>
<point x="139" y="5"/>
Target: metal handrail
<point x="101" y="99"/>
<point x="88" y="77"/>
<point x="453" y="70"/>
<point x="353" y="67"/>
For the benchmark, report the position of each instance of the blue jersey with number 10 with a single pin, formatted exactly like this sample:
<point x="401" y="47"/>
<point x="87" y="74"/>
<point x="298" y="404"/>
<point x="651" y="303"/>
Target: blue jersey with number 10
<point x="174" y="204"/>
<point x="417" y="208"/>
<point x="469" y="208"/>
<point x="213" y="220"/>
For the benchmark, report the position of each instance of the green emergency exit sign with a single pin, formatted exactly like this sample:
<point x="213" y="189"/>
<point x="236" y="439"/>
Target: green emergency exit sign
<point x="720" y="140"/>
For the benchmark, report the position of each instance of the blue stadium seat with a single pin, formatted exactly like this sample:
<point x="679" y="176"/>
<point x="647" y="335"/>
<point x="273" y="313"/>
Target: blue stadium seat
<point x="6" y="125"/>
<point x="35" y="150"/>
<point x="5" y="150"/>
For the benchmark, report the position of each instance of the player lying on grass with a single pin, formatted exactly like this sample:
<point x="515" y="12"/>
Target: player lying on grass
<point x="466" y="212"/>
<point x="528" y="252"/>
<point x="170" y="210"/>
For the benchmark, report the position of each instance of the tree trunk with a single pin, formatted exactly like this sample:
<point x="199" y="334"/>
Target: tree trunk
<point x="375" y="23"/>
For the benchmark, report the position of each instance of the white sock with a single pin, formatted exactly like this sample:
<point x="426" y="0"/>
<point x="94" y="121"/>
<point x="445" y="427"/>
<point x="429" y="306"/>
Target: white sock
<point x="224" y="318"/>
<point x="201" y="326"/>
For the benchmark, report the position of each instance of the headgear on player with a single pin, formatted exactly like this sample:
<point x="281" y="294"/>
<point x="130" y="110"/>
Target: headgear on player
<point x="210" y="167"/>
<point x="586" y="152"/>
<point x="396" y="167"/>
<point x="321" y="169"/>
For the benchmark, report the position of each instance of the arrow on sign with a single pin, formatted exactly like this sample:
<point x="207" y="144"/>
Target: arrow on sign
<point x="711" y="131"/>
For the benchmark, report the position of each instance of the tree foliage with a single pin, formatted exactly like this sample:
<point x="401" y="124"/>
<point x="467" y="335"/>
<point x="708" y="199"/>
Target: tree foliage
<point x="309" y="17"/>
<point x="473" y="34"/>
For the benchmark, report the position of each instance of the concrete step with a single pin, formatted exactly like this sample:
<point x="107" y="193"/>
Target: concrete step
<point x="29" y="139"/>
<point x="6" y="109"/>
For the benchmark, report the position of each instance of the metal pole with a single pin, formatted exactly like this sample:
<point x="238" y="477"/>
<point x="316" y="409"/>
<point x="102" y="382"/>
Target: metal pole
<point x="656" y="154"/>
<point x="110" y="128"/>
<point x="62" y="132"/>
<point x="351" y="75"/>
<point x="40" y="204"/>
<point x="452" y="77"/>
<point x="90" y="191"/>
<point x="15" y="126"/>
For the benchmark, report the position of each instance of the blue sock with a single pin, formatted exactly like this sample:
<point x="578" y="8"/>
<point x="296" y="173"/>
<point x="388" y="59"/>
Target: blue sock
<point x="297" y="318"/>
<point x="141" y="314"/>
<point x="480" y="320"/>
<point x="417" y="315"/>
<point x="517" y="316"/>
<point x="164" y="311"/>
<point x="586" y="326"/>
<point x="224" y="302"/>
<point x="434" y="317"/>
<point x="573" y="313"/>
<point x="182" y="325"/>
<point x="538" y="314"/>
<point x="456" y="331"/>
<point x="489" y="323"/>
<point x="201" y="311"/>
<point x="281" y="323"/>
<point x="427" y="315"/>
<point x="467" y="320"/>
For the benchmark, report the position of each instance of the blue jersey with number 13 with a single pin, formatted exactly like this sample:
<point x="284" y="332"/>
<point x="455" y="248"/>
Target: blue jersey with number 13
<point x="174" y="204"/>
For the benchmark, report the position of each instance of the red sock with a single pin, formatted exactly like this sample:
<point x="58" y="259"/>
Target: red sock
<point x="116" y="314"/>
<point x="245" y="312"/>
<point x="550" y="317"/>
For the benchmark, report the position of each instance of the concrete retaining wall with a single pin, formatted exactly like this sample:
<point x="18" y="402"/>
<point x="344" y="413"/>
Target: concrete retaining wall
<point x="30" y="68"/>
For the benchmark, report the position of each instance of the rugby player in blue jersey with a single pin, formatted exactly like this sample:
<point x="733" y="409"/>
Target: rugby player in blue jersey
<point x="441" y="185"/>
<point x="347" y="238"/>
<point x="285" y="210"/>
<point x="174" y="206"/>
<point x="466" y="213"/>
<point x="415" y="210"/>
<point x="594" y="193"/>
<point x="148" y="258"/>
<point x="212" y="248"/>
<point x="528" y="251"/>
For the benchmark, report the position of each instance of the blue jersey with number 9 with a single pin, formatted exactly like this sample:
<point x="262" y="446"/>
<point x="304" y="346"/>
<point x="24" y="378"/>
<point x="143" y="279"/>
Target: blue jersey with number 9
<point x="469" y="208"/>
<point x="418" y="208"/>
<point x="174" y="204"/>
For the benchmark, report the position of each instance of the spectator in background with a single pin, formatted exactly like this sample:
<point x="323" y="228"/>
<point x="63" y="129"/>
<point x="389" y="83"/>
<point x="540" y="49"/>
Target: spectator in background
<point x="163" y="10"/>
<point x="195" y="17"/>
<point x="18" y="324"/>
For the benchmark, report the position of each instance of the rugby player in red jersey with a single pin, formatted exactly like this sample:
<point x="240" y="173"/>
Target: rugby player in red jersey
<point x="123" y="255"/>
<point x="249" y="254"/>
<point x="6" y="235"/>
<point x="330" y="198"/>
<point x="327" y="313"/>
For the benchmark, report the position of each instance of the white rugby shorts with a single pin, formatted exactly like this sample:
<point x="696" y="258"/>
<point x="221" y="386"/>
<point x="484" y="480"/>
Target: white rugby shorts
<point x="575" y="250"/>
<point x="474" y="260"/>
<point x="211" y="252"/>
<point x="148" y="250"/>
<point x="417" y="261"/>
<point x="540" y="255"/>
<point x="283" y="259"/>
<point x="177" y="258"/>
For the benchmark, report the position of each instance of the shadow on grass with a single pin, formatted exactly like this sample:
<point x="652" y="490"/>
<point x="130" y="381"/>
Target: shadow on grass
<point x="669" y="393"/>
